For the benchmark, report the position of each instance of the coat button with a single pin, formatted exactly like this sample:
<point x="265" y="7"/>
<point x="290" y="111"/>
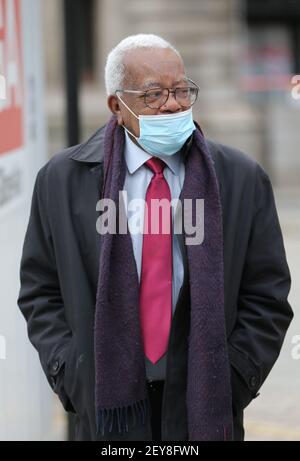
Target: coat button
<point x="53" y="382"/>
<point x="253" y="381"/>
<point x="55" y="366"/>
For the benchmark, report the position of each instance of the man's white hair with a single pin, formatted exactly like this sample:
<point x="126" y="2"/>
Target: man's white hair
<point x="115" y="69"/>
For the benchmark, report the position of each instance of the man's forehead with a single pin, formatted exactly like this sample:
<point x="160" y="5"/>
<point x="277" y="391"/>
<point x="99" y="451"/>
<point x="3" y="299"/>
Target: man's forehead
<point x="152" y="66"/>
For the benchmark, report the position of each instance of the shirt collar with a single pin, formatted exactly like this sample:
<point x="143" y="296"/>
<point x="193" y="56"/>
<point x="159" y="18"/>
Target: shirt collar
<point x="135" y="157"/>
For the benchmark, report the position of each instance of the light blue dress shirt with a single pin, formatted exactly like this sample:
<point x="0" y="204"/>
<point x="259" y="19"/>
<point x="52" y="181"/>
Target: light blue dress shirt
<point x="137" y="180"/>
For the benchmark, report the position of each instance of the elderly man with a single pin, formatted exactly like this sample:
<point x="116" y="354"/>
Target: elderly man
<point x="154" y="334"/>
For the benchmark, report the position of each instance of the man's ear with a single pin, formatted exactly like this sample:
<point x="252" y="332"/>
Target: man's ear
<point x="114" y="106"/>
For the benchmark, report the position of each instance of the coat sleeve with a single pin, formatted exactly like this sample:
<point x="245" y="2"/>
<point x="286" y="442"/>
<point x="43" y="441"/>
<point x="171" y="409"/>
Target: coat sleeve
<point x="264" y="313"/>
<point x="40" y="299"/>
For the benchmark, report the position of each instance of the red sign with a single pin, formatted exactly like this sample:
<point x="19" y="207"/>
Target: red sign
<point x="11" y="107"/>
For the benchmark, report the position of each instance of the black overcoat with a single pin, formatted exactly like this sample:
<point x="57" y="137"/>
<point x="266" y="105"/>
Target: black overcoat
<point x="59" y="273"/>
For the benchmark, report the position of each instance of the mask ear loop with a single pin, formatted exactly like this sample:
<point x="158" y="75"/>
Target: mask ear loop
<point x="132" y="114"/>
<point x="127" y="106"/>
<point x="110" y="157"/>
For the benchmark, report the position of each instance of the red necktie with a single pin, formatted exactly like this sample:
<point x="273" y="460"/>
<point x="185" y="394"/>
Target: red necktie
<point x="156" y="270"/>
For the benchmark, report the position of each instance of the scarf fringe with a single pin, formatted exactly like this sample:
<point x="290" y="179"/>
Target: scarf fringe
<point x="107" y="418"/>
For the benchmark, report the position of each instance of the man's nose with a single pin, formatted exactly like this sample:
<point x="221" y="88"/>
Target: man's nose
<point x="171" y="105"/>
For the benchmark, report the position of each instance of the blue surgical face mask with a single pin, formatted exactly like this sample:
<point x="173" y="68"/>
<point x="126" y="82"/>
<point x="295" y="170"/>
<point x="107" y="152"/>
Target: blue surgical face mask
<point x="163" y="134"/>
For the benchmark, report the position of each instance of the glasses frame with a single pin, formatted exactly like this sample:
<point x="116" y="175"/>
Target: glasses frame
<point x="158" y="88"/>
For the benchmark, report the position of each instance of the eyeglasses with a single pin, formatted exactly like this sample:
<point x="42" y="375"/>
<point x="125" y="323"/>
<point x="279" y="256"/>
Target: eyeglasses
<point x="155" y="98"/>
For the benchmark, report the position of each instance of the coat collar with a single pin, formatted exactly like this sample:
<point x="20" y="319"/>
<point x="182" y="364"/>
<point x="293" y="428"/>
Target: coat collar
<point x="91" y="151"/>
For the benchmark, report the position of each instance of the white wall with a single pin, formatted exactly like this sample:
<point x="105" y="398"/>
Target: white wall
<point x="26" y="401"/>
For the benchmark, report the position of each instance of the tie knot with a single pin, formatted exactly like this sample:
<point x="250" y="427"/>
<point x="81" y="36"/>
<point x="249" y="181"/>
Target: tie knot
<point x="156" y="165"/>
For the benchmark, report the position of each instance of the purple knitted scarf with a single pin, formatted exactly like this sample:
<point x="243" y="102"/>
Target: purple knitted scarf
<point x="121" y="393"/>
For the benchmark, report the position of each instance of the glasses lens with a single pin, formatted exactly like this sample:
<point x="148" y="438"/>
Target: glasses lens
<point x="156" y="98"/>
<point x="186" y="96"/>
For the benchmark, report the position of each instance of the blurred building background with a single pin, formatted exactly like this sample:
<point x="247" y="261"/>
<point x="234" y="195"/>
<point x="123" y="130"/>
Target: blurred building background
<point x="242" y="53"/>
<point x="245" y="56"/>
